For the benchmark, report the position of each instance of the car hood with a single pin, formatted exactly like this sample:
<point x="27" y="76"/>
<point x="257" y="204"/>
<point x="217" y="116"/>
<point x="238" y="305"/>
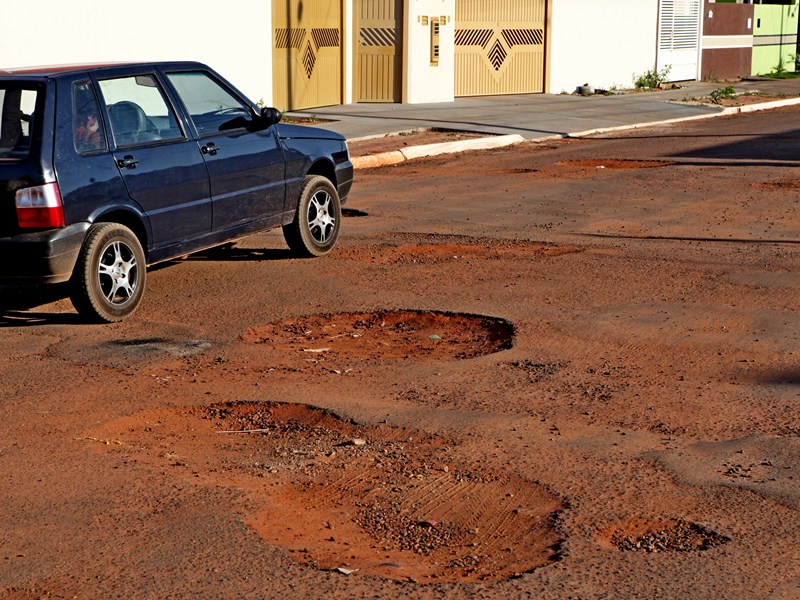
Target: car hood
<point x="304" y="132"/>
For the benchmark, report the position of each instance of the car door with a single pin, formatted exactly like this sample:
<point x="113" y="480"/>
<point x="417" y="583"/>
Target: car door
<point x="245" y="160"/>
<point x="159" y="162"/>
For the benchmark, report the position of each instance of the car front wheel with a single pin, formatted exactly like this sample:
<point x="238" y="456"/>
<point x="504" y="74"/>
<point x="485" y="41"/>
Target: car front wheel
<point x="108" y="281"/>
<point x="315" y="228"/>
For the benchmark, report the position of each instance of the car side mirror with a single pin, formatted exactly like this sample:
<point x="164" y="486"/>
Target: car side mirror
<point x="271" y="115"/>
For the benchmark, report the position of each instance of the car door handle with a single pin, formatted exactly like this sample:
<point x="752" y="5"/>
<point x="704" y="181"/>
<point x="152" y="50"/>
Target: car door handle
<point x="127" y="162"/>
<point x="210" y="148"/>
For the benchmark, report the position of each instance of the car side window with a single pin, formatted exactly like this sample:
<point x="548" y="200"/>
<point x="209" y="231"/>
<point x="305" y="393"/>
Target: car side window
<point x="89" y="133"/>
<point x="212" y="107"/>
<point x="138" y="111"/>
<point x="17" y="118"/>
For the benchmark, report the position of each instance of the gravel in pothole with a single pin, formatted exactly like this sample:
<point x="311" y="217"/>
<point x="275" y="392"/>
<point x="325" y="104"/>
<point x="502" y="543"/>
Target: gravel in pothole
<point x="380" y="500"/>
<point x="668" y="536"/>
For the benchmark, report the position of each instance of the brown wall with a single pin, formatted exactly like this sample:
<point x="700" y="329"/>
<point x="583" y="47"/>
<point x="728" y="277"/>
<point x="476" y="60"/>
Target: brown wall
<point x="728" y="19"/>
<point x="727" y="63"/>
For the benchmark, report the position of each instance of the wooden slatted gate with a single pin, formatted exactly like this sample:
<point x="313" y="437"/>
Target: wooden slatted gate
<point x="379" y="50"/>
<point x="499" y="47"/>
<point x="307" y="53"/>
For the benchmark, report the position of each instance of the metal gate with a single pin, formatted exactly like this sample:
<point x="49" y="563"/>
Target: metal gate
<point x="379" y="51"/>
<point x="499" y="47"/>
<point x="679" y="38"/>
<point x="307" y="53"/>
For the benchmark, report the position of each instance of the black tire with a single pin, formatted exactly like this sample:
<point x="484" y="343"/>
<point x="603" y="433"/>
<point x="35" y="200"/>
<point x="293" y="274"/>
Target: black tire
<point x="109" y="278"/>
<point x="316" y="224"/>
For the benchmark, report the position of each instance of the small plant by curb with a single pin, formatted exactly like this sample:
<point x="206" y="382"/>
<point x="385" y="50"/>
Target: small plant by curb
<point x="724" y="93"/>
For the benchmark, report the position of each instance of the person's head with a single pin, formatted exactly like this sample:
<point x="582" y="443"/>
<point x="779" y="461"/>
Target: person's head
<point x="90" y="121"/>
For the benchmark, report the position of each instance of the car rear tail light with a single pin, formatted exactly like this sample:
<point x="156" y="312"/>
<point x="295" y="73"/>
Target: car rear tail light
<point x="40" y="207"/>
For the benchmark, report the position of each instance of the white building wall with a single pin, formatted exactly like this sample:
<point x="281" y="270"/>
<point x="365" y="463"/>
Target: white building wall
<point x="422" y="81"/>
<point x="348" y="37"/>
<point x="603" y="44"/>
<point x="234" y="39"/>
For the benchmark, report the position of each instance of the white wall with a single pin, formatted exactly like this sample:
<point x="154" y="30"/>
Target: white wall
<point x="348" y="26"/>
<point x="234" y="38"/>
<point x="604" y="46"/>
<point x="423" y="82"/>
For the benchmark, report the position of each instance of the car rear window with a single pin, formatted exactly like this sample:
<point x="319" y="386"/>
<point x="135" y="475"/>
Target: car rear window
<point x="18" y="104"/>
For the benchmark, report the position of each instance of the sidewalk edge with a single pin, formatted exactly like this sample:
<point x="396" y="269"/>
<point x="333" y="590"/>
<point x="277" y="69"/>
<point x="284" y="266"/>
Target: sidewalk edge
<point x="731" y="110"/>
<point x="397" y="156"/>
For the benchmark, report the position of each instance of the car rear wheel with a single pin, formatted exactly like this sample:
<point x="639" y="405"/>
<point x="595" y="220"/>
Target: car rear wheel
<point x="315" y="228"/>
<point x="109" y="279"/>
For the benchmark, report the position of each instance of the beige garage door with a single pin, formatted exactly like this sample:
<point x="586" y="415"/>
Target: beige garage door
<point x="379" y="50"/>
<point x="307" y="53"/>
<point x="499" y="47"/>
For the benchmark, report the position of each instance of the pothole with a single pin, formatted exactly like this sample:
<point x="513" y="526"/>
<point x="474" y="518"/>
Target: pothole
<point x="665" y="535"/>
<point x="161" y="345"/>
<point x="335" y="495"/>
<point x="438" y="248"/>
<point x="347" y="338"/>
<point x="121" y="351"/>
<point x="615" y="164"/>
<point x="518" y="171"/>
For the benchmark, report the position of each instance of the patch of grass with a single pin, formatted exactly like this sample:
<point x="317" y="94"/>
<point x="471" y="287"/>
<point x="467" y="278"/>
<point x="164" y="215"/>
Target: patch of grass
<point x="723" y="93"/>
<point x="780" y="71"/>
<point x="782" y="75"/>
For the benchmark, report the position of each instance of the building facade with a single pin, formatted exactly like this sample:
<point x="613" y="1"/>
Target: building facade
<point x="297" y="54"/>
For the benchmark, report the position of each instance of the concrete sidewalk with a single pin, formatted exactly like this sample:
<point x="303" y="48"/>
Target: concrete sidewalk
<point x="538" y="116"/>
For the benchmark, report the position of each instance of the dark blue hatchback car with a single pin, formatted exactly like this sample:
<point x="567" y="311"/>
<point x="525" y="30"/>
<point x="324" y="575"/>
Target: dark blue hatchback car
<point x="106" y="169"/>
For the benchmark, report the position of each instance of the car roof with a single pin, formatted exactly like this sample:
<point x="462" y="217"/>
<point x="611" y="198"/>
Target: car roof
<point x="55" y="70"/>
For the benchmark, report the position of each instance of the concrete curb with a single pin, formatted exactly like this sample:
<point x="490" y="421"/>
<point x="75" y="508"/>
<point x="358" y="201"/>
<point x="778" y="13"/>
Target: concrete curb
<point x="731" y="110"/>
<point x="398" y="156"/>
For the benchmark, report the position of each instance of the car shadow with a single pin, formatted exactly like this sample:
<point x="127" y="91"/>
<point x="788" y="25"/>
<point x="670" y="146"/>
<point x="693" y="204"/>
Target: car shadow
<point x="22" y="297"/>
<point x="231" y="252"/>
<point x="12" y="318"/>
<point x="16" y="302"/>
<point x="354" y="212"/>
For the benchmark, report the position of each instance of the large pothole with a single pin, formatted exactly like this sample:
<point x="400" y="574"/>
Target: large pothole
<point x="413" y="248"/>
<point x="347" y="338"/>
<point x="376" y="500"/>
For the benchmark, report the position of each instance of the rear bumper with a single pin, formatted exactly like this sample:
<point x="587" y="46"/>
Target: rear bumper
<point x="41" y="256"/>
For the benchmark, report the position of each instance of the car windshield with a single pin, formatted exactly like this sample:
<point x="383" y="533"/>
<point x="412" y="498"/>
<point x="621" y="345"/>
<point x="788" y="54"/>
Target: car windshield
<point x="17" y="118"/>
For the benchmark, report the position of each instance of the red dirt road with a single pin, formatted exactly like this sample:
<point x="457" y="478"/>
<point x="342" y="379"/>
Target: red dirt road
<point x="555" y="370"/>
